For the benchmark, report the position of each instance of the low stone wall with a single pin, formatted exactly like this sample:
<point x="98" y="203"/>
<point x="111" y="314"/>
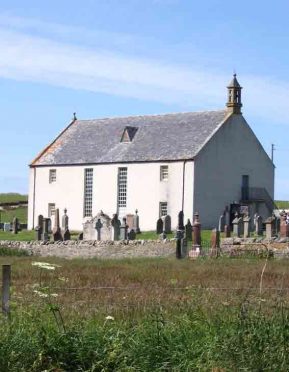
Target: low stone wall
<point x="275" y="247"/>
<point x="94" y="248"/>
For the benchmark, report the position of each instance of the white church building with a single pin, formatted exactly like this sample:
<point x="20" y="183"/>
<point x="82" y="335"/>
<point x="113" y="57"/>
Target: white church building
<point x="158" y="164"/>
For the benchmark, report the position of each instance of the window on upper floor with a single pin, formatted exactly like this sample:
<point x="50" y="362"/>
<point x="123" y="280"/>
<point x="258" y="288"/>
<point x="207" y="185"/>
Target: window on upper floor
<point x="164" y="172"/>
<point x="52" y="175"/>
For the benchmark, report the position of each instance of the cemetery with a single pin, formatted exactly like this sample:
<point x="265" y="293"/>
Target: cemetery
<point x="105" y="237"/>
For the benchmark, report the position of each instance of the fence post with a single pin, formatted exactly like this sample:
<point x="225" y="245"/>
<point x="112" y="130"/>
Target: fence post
<point x="6" y="281"/>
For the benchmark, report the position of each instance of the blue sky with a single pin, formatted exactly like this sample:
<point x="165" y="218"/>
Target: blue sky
<point x="123" y="57"/>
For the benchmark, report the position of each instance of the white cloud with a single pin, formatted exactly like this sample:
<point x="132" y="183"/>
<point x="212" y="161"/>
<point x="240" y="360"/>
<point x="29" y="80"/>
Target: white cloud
<point x="65" y="63"/>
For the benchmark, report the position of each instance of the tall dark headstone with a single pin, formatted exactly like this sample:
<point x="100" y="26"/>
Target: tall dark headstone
<point x="115" y="231"/>
<point x="167" y="224"/>
<point x="98" y="227"/>
<point x="56" y="229"/>
<point x="45" y="236"/>
<point x="123" y="229"/>
<point x="131" y="234"/>
<point x="160" y="226"/>
<point x="39" y="227"/>
<point x="188" y="230"/>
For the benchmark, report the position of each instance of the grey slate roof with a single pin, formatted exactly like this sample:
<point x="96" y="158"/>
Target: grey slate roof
<point x="158" y="138"/>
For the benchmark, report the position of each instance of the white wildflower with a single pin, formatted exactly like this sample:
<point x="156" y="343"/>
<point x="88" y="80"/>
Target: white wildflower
<point x="54" y="295"/>
<point x="45" y="265"/>
<point x="63" y="279"/>
<point x="41" y="294"/>
<point x="109" y="317"/>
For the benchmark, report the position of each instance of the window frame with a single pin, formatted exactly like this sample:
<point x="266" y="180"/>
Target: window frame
<point x="88" y="192"/>
<point x="51" y="209"/>
<point x="164" y="173"/>
<point x="161" y="205"/>
<point x="52" y="175"/>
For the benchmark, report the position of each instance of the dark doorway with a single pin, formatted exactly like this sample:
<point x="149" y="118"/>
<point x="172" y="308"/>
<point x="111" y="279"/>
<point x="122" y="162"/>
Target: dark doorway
<point x="245" y="187"/>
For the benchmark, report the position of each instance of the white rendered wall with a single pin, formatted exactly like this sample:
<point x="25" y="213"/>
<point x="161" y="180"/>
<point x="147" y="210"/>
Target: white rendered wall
<point x="232" y="152"/>
<point x="144" y="191"/>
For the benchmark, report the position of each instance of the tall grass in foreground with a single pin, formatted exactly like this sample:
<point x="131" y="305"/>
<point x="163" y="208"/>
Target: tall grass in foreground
<point x="147" y="315"/>
<point x="246" y="339"/>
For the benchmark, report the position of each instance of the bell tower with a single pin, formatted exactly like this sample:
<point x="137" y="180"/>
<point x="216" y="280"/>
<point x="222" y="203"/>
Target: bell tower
<point x="234" y="103"/>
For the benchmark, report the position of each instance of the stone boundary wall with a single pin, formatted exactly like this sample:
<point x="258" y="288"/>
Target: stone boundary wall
<point x="275" y="247"/>
<point x="94" y="248"/>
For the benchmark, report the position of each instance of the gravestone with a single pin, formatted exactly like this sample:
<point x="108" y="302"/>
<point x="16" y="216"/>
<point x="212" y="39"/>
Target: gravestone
<point x="45" y="236"/>
<point x="131" y="234"/>
<point x="65" y="228"/>
<point x="64" y="220"/>
<point x="259" y="225"/>
<point x="270" y="222"/>
<point x="6" y="226"/>
<point x="49" y="225"/>
<point x="227" y="231"/>
<point x="181" y="248"/>
<point x="123" y="229"/>
<point x="39" y="227"/>
<point x="56" y="229"/>
<point x="15" y="225"/>
<point x="115" y="227"/>
<point x="160" y="226"/>
<point x="167" y="224"/>
<point x="194" y="253"/>
<point x="246" y="221"/>
<point x="196" y="231"/>
<point x="284" y="227"/>
<point x="237" y="225"/>
<point x="188" y="230"/>
<point x="129" y="220"/>
<point x="136" y="222"/>
<point x="221" y="223"/>
<point x="90" y="231"/>
<point x="98" y="227"/>
<point x="215" y="243"/>
<point x="66" y="235"/>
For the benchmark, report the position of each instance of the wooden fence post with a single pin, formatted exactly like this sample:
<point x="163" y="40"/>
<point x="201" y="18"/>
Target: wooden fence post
<point x="6" y="281"/>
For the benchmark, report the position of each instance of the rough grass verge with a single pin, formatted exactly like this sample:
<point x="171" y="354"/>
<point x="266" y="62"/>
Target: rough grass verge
<point x="230" y="340"/>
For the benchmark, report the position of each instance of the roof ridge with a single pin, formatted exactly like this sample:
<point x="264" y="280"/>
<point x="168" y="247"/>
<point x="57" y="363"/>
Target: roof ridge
<point x="153" y="115"/>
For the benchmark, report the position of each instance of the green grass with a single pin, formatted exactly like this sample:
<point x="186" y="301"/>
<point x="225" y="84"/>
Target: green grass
<point x="23" y="235"/>
<point x="7" y="215"/>
<point x="282" y="204"/>
<point x="157" y="326"/>
<point x="12" y="197"/>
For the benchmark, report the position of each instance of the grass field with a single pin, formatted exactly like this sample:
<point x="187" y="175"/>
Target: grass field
<point x="147" y="315"/>
<point x="282" y="204"/>
<point x="12" y="197"/>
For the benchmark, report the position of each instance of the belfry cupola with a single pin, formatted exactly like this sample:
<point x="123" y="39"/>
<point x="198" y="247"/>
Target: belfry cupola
<point x="234" y="103"/>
